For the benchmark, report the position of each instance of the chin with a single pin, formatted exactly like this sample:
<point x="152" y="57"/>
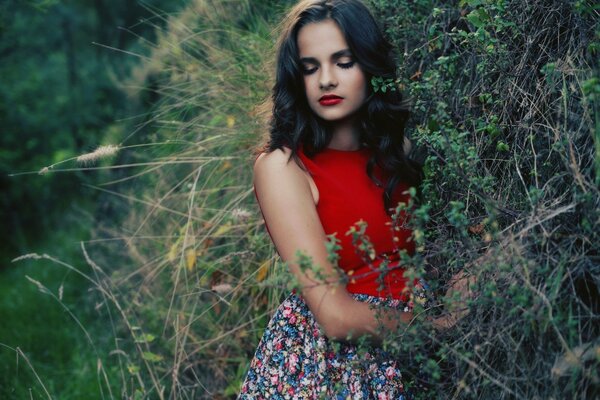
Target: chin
<point x="335" y="117"/>
<point x="331" y="115"/>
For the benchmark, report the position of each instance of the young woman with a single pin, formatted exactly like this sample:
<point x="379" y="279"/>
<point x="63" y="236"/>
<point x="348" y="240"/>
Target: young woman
<point x="336" y="155"/>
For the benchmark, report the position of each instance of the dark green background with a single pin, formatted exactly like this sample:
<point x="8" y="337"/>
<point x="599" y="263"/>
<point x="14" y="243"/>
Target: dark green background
<point x="63" y="66"/>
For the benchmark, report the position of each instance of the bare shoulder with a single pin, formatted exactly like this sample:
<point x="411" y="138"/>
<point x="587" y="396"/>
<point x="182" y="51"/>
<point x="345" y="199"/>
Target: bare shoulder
<point x="275" y="159"/>
<point x="277" y="170"/>
<point x="276" y="167"/>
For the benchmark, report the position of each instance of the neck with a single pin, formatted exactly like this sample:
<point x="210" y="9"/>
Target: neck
<point x="345" y="136"/>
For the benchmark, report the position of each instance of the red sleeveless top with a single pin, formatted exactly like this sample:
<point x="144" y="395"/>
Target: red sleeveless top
<point x="347" y="195"/>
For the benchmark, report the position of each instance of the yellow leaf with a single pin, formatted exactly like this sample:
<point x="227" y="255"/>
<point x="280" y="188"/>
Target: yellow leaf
<point x="204" y="280"/>
<point x="230" y="121"/>
<point x="223" y="229"/>
<point x="262" y="271"/>
<point x="173" y="252"/>
<point x="226" y="165"/>
<point x="190" y="259"/>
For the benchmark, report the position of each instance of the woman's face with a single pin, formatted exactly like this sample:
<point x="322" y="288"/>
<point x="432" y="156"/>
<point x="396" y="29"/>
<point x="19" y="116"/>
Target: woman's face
<point x="335" y="85"/>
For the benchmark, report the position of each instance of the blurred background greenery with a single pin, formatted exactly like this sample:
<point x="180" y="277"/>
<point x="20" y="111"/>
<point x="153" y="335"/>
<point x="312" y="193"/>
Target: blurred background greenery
<point x="64" y="68"/>
<point x="148" y="272"/>
<point x="66" y="87"/>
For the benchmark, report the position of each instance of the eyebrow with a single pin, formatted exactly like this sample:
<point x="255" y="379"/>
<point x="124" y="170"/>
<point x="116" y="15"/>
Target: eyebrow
<point x="337" y="54"/>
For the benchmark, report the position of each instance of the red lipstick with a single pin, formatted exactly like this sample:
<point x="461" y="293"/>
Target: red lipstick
<point x="330" y="100"/>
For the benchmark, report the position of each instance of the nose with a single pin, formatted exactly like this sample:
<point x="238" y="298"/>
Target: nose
<point x="327" y="79"/>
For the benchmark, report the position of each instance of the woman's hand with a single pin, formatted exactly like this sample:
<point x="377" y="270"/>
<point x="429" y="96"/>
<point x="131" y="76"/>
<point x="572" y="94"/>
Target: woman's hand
<point x="458" y="293"/>
<point x="444" y="322"/>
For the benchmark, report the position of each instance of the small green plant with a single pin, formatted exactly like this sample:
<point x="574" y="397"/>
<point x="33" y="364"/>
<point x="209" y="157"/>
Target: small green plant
<point x="382" y="85"/>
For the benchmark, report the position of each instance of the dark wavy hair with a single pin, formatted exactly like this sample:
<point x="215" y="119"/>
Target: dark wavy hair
<point x="383" y="116"/>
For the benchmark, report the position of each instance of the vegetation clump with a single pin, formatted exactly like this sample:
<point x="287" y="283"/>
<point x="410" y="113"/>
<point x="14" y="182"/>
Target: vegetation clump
<point x="505" y="102"/>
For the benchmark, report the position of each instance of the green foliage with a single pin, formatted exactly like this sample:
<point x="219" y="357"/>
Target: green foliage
<point x="52" y="338"/>
<point x="504" y="113"/>
<point x="383" y="84"/>
<point x="505" y="98"/>
<point x="59" y="92"/>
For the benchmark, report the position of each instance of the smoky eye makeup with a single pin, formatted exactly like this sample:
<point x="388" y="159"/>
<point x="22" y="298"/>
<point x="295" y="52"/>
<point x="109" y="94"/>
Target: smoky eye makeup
<point x="342" y="59"/>
<point x="346" y="65"/>
<point x="307" y="70"/>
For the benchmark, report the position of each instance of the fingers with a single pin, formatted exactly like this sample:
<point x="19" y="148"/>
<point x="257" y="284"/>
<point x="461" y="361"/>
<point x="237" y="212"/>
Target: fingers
<point x="443" y="323"/>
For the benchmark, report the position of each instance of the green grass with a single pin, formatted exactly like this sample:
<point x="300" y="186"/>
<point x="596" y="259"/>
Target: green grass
<point x="57" y="358"/>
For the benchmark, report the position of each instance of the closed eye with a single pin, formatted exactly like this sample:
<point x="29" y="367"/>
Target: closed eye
<point x="311" y="70"/>
<point x="307" y="71"/>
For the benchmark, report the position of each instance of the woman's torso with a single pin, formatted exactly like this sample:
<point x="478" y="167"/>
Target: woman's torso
<point x="347" y="195"/>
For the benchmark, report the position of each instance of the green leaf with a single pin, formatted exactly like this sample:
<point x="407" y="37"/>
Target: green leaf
<point x="478" y="17"/>
<point x="548" y="68"/>
<point x="483" y="15"/>
<point x="442" y="60"/>
<point x="470" y="3"/>
<point x="149" y="356"/>
<point x="145" y="338"/>
<point x="501" y="146"/>
<point x="591" y="86"/>
<point x="473" y="18"/>
<point x="133" y="369"/>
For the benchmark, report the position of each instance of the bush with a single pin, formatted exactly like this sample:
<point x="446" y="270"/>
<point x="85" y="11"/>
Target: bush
<point x="505" y="103"/>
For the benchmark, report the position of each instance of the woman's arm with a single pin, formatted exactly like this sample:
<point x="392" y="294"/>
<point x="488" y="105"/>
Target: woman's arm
<point x="285" y="198"/>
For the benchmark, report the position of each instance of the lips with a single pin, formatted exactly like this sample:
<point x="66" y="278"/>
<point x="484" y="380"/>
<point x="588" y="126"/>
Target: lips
<point x="330" y="100"/>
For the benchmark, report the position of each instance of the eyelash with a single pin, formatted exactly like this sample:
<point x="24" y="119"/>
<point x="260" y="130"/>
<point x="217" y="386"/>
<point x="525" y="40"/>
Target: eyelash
<point x="347" y="65"/>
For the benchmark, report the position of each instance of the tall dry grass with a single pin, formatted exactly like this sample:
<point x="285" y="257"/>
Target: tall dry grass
<point x="195" y="273"/>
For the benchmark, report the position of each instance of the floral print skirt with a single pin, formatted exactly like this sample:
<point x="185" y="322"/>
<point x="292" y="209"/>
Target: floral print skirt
<point x="295" y="360"/>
